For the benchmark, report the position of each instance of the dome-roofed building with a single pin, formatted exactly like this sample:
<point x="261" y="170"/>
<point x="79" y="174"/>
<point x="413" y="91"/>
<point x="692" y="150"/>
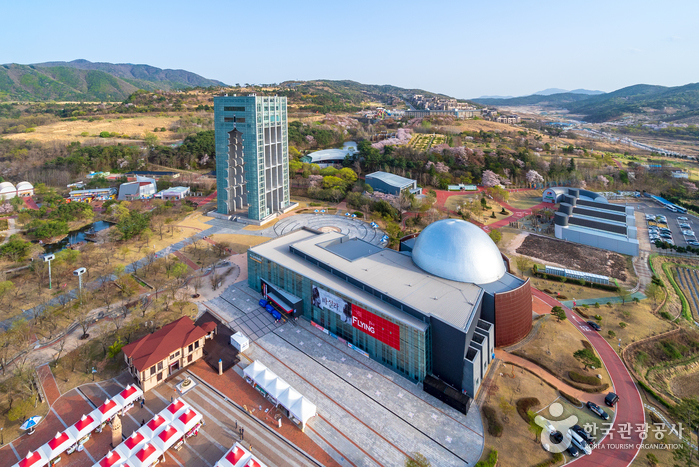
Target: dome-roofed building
<point x="25" y="189"/>
<point x="7" y="190"/>
<point x="433" y="311"/>
<point x="459" y="251"/>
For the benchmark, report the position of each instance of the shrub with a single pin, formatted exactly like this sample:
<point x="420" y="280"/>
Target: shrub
<point x="570" y="399"/>
<point x="652" y="460"/>
<point x="666" y="315"/>
<point x="622" y="325"/>
<point x="491" y="461"/>
<point x="555" y="459"/>
<point x="562" y="297"/>
<point x="104" y="134"/>
<point x="358" y="214"/>
<point x="524" y="405"/>
<point x="494" y="425"/>
<point x="548" y="291"/>
<point x="580" y="378"/>
<point x="596" y="304"/>
<point x="611" y="334"/>
<point x="315" y="204"/>
<point x="585" y="387"/>
<point x="586" y="344"/>
<point x="581" y="313"/>
<point x="598" y="317"/>
<point x="654" y="418"/>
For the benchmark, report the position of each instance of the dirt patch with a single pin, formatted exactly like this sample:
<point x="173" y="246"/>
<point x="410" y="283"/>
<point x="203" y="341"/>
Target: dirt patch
<point x="685" y="385"/>
<point x="574" y="256"/>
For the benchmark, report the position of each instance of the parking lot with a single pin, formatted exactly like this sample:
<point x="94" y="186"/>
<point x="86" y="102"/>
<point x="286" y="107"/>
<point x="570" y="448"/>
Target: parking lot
<point x="672" y="224"/>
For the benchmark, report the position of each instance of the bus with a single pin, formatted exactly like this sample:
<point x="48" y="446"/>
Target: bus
<point x="681" y="209"/>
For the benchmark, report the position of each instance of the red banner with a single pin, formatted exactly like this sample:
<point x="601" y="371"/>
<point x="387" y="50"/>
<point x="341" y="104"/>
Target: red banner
<point x="376" y="327"/>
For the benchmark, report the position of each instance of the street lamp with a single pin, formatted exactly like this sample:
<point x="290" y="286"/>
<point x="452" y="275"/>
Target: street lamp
<point x="79" y="272"/>
<point x="48" y="259"/>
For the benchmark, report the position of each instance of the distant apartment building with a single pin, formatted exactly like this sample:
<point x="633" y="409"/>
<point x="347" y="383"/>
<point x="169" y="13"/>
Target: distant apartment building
<point x="252" y="162"/>
<point x="511" y="119"/>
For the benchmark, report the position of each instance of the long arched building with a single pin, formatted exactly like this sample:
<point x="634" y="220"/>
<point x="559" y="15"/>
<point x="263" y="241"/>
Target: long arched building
<point x="436" y="308"/>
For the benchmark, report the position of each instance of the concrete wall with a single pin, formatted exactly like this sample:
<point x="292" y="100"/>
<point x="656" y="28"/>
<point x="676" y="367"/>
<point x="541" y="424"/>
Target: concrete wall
<point x="591" y="238"/>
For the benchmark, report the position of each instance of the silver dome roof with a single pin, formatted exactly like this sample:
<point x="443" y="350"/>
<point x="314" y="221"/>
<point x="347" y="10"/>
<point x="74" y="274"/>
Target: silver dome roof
<point x="459" y="251"/>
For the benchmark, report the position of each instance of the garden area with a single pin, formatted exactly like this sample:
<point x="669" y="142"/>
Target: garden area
<point x="563" y="351"/>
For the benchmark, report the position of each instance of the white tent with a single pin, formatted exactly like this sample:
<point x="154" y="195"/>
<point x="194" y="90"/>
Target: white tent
<point x="300" y="407"/>
<point x="33" y="459"/>
<point x="167" y="438"/>
<point x="131" y="445"/>
<point x="277" y="387"/>
<point x="146" y="456"/>
<point x="238" y="456"/>
<point x="58" y="445"/>
<point x="254" y="369"/>
<point x="303" y="410"/>
<point x="172" y="411"/>
<point x="128" y="396"/>
<point x="151" y="429"/>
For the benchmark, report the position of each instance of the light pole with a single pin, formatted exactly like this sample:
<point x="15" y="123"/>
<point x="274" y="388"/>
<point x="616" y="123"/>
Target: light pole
<point x="48" y="259"/>
<point x="79" y="272"/>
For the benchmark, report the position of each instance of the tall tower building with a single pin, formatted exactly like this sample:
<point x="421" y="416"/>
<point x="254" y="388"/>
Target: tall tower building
<point x="252" y="156"/>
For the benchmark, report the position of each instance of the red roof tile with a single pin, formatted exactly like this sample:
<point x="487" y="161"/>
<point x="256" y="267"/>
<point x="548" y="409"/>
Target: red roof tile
<point x="155" y="347"/>
<point x="208" y="326"/>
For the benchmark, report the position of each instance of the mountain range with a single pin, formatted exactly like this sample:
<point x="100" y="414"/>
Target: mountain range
<point x="81" y="80"/>
<point x="678" y="102"/>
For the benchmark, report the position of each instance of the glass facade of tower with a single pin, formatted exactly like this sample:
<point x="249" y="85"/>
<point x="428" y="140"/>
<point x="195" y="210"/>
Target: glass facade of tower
<point x="262" y="123"/>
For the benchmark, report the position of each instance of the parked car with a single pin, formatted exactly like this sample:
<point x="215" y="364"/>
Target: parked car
<point x="594" y="325"/>
<point x="573" y="451"/>
<point x="682" y="218"/>
<point x="597" y="410"/>
<point x="577" y="441"/>
<point x="584" y="434"/>
<point x="692" y="243"/>
<point x="611" y="399"/>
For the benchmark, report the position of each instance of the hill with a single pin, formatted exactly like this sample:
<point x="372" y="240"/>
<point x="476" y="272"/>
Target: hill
<point x="640" y="99"/>
<point x="549" y="91"/>
<point x="142" y="76"/>
<point x="27" y="82"/>
<point x="552" y="100"/>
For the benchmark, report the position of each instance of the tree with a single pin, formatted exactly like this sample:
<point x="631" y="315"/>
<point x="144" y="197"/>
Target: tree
<point x="495" y="236"/>
<point x="622" y="325"/>
<point x="587" y="357"/>
<point x="655" y="292"/>
<point x="684" y="456"/>
<point x="624" y="294"/>
<point x="179" y="270"/>
<point x="522" y="263"/>
<point x="416" y="459"/>
<point x="115" y="348"/>
<point x="489" y="178"/>
<point x="559" y="313"/>
<point x="16" y="203"/>
<point x="150" y="139"/>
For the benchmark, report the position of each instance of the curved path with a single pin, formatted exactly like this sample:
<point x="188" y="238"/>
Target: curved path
<point x="613" y="450"/>
<point x="330" y="222"/>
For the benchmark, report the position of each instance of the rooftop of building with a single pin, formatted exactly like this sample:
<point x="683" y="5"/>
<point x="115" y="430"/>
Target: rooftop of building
<point x="153" y="348"/>
<point x="391" y="179"/>
<point x="391" y="273"/>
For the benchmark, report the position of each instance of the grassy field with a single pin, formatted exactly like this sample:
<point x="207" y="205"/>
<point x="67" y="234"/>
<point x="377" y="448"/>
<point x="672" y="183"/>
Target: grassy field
<point x="553" y="347"/>
<point x="502" y="395"/>
<point x="239" y="243"/>
<point x="134" y="127"/>
<point x="525" y="200"/>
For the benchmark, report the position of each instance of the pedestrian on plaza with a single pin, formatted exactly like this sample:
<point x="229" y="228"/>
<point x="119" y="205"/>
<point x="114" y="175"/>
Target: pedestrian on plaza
<point x="242" y="433"/>
<point x="143" y="422"/>
<point x="250" y="448"/>
<point x="143" y="401"/>
<point x="236" y="424"/>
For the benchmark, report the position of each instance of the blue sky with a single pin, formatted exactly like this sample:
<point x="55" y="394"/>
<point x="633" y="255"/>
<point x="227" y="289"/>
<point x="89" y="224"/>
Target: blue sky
<point x="462" y="48"/>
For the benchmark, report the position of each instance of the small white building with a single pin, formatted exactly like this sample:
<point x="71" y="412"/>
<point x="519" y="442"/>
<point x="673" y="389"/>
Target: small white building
<point x="7" y="191"/>
<point x="25" y="189"/>
<point x="175" y="192"/>
<point x="677" y="173"/>
<point x="240" y="342"/>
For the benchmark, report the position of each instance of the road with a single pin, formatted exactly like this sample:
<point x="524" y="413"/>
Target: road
<point x="613" y="450"/>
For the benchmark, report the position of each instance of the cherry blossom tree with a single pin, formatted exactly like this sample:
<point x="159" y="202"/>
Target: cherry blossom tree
<point x="534" y="178"/>
<point x="489" y="178"/>
<point x="602" y="179"/>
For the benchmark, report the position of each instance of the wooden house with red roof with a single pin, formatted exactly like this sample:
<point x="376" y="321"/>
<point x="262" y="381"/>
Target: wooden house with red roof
<point x="156" y="356"/>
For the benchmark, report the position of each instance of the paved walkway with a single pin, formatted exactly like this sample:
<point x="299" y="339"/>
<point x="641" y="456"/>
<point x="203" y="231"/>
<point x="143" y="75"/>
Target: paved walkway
<point x="549" y="378"/>
<point x="628" y="411"/>
<point x="48" y="383"/>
